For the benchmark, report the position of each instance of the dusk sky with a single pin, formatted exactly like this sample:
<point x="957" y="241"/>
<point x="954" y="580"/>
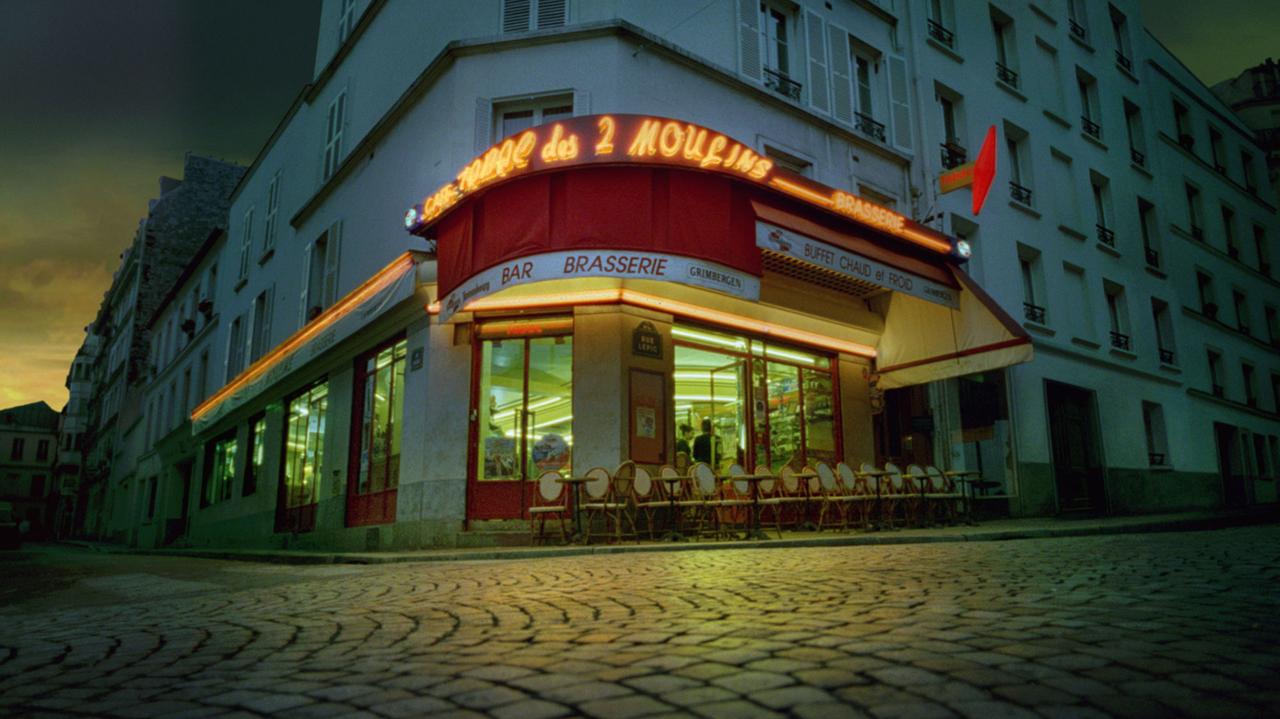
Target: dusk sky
<point x="101" y="98"/>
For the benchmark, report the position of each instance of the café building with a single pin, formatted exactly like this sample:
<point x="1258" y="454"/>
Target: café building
<point x="591" y="290"/>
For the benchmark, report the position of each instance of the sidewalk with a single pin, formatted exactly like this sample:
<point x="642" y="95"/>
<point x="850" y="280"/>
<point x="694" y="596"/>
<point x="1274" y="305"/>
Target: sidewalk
<point x="989" y="531"/>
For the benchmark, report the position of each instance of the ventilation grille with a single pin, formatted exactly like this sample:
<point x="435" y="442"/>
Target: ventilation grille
<point x="551" y="13"/>
<point x="791" y="267"/>
<point x="515" y="16"/>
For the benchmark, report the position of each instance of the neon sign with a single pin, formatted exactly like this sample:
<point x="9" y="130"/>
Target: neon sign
<point x="639" y="139"/>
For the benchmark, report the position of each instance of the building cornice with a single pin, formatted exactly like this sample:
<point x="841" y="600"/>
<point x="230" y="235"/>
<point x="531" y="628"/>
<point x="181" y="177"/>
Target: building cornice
<point x="1210" y="249"/>
<point x="1223" y="327"/>
<point x="1232" y="404"/>
<point x="1214" y="173"/>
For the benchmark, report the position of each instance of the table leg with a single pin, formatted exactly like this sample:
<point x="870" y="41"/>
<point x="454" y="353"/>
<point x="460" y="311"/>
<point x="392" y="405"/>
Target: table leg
<point x="753" y="532"/>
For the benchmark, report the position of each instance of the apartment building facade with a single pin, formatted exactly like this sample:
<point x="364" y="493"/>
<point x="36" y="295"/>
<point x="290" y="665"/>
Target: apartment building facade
<point x="378" y="382"/>
<point x="72" y="427"/>
<point x="28" y="451"/>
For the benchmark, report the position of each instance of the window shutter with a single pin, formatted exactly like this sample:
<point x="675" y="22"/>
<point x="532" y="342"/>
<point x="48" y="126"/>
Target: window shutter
<point x="515" y="15"/>
<point x="551" y="13"/>
<point x="333" y="250"/>
<point x="581" y="103"/>
<point x="484" y="124"/>
<point x="267" y="313"/>
<point x="900" y="100"/>
<point x="841" y="76"/>
<point x="815" y="32"/>
<point x="246" y="347"/>
<point x="306" y="283"/>
<point x="749" y="39"/>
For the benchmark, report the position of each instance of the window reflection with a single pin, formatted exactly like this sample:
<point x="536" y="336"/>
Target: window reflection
<point x="382" y="406"/>
<point x="304" y="446"/>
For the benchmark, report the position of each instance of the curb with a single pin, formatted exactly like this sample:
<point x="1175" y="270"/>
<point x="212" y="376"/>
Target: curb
<point x="1189" y="524"/>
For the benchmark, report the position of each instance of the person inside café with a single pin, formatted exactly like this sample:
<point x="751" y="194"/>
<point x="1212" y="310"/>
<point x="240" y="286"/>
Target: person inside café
<point x="682" y="441"/>
<point x="706" y="446"/>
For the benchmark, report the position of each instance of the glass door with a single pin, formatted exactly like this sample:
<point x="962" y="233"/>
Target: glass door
<point x="522" y="419"/>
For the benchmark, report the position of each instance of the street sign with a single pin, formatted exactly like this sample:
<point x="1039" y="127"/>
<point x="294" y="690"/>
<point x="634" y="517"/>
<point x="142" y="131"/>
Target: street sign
<point x="978" y="174"/>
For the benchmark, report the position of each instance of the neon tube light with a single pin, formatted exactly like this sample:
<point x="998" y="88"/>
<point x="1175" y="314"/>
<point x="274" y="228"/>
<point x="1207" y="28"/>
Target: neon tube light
<point x="379" y="281"/>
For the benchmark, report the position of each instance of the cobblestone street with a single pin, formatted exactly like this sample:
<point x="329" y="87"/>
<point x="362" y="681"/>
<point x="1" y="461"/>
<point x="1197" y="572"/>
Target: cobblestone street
<point x="1129" y="625"/>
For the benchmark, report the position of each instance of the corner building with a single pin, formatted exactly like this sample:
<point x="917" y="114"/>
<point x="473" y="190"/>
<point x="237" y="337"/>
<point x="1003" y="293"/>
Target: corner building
<point x="496" y="238"/>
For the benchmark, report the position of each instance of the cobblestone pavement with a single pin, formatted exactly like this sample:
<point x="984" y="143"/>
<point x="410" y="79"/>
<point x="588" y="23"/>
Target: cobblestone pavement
<point x="1130" y="625"/>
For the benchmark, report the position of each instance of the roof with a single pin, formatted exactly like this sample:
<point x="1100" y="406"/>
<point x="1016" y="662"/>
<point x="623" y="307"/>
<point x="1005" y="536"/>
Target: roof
<point x="37" y="415"/>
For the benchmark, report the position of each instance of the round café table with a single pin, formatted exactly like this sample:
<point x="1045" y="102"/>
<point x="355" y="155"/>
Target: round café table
<point x="576" y="483"/>
<point x="675" y="531"/>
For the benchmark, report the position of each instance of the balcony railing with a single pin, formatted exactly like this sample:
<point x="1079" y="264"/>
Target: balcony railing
<point x="1106" y="236"/>
<point x="1020" y="193"/>
<point x="1120" y="340"/>
<point x="1166" y="356"/>
<point x="953" y="155"/>
<point x="1197" y="232"/>
<point x="1219" y="390"/>
<point x="941" y="34"/>
<point x="1138" y="158"/>
<point x="1244" y="327"/>
<point x="1187" y="141"/>
<point x="1123" y="61"/>
<point x="1233" y="252"/>
<point x="1265" y="268"/>
<point x="1033" y="313"/>
<point x="1077" y="29"/>
<point x="868" y="126"/>
<point x="1219" y="168"/>
<point x="1091" y="128"/>
<point x="1155" y="459"/>
<point x="1210" y="310"/>
<point x="1153" y="256"/>
<point x="1006" y="75"/>
<point x="781" y="84"/>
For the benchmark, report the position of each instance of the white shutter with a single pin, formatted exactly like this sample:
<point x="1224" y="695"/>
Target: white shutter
<point x="815" y="41"/>
<point x="841" y="77"/>
<point x="749" y="39"/>
<point x="333" y="250"/>
<point x="900" y="101"/>
<point x="246" y="347"/>
<point x="484" y="124"/>
<point x="267" y="313"/>
<point x="306" y="283"/>
<point x="581" y="103"/>
<point x="515" y="15"/>
<point x="551" y="13"/>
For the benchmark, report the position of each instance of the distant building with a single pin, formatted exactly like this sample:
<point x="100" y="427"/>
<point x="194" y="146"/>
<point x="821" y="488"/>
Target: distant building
<point x="69" y="511"/>
<point x="1254" y="95"/>
<point x="28" y="450"/>
<point x="176" y="226"/>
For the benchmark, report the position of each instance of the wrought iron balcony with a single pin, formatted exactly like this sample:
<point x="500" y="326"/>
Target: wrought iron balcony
<point x="1033" y="313"/>
<point x="1166" y="356"/>
<point x="868" y="126"/>
<point x="953" y="155"/>
<point x="1219" y="390"/>
<point x="1244" y="327"/>
<point x="1264" y="267"/>
<point x="1197" y="232"/>
<point x="781" y="84"/>
<point x="1153" y="256"/>
<point x="1155" y="459"/>
<point x="1138" y="158"/>
<point x="1123" y="61"/>
<point x="1120" y="340"/>
<point x="1210" y="310"/>
<point x="1091" y="128"/>
<point x="941" y="34"/>
<point x="1106" y="236"/>
<point x="1233" y="252"/>
<point x="1187" y="141"/>
<point x="1077" y="29"/>
<point x="1219" y="168"/>
<point x="1006" y="75"/>
<point x="1020" y="193"/>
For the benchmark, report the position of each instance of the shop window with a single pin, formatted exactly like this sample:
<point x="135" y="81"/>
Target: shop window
<point x="273" y="212"/>
<point x="752" y="402"/>
<point x="220" y="470"/>
<point x="527" y="15"/>
<point x="256" y="455"/>
<point x="320" y="288"/>
<point x="334" y="128"/>
<point x="380" y="408"/>
<point x="513" y="117"/>
<point x="302" y="473"/>
<point x="346" y="20"/>
<point x="525" y="413"/>
<point x="1157" y="443"/>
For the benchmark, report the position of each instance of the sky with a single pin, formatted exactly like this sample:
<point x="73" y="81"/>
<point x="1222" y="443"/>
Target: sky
<point x="102" y="97"/>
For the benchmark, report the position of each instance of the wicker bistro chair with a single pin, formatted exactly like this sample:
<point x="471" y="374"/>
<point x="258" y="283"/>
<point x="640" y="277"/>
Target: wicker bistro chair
<point x="860" y="493"/>
<point x="922" y="486"/>
<point x="833" y="496"/>
<point x="701" y="500"/>
<point x="776" y="495"/>
<point x="550" y="502"/>
<point x="947" y="498"/>
<point x="735" y="500"/>
<point x="604" y="501"/>
<point x="647" y="499"/>
<point x="902" y="495"/>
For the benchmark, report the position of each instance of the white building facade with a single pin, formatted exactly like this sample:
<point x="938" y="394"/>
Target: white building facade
<point x="358" y="407"/>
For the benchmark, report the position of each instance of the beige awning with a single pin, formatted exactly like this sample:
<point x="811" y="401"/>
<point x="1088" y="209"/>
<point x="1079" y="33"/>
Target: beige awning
<point x="925" y="341"/>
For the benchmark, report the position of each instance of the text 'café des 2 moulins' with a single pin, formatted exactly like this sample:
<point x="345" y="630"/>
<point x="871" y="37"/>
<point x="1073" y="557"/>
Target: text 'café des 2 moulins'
<point x="621" y="277"/>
